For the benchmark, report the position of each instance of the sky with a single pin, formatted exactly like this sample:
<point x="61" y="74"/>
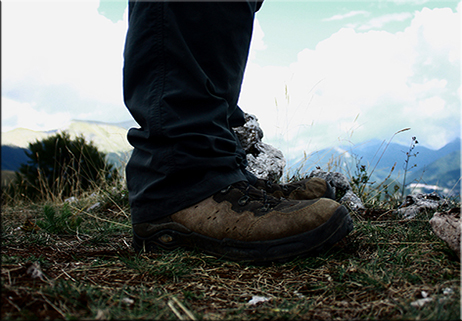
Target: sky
<point x="320" y="73"/>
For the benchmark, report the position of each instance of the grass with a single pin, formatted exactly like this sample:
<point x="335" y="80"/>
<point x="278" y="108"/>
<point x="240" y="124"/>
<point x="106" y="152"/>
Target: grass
<point x="73" y="260"/>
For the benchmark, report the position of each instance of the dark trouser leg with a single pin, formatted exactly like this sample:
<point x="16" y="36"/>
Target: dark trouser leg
<point x="184" y="64"/>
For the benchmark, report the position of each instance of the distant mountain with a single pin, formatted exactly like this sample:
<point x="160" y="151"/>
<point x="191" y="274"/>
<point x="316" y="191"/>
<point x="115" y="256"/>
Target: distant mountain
<point x="127" y="124"/>
<point x="108" y="138"/>
<point x="444" y="173"/>
<point x="432" y="167"/>
<point x="385" y="156"/>
<point x="13" y="157"/>
<point x="21" y="137"/>
<point x="124" y="124"/>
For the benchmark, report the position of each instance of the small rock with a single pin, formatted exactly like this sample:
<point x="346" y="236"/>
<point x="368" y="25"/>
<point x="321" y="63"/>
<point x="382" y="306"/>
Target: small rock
<point x="268" y="164"/>
<point x="96" y="205"/>
<point x="128" y="301"/>
<point x="35" y="271"/>
<point x="257" y="299"/>
<point x="341" y="186"/>
<point x="71" y="199"/>
<point x="264" y="161"/>
<point x="421" y="302"/>
<point x="446" y="226"/>
<point x="448" y="291"/>
<point x="417" y="203"/>
<point x="250" y="133"/>
<point x="352" y="201"/>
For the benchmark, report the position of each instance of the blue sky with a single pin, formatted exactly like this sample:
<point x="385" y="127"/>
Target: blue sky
<point x="292" y="26"/>
<point x="320" y="73"/>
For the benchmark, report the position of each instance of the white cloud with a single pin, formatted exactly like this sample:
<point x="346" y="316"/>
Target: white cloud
<point x="440" y="31"/>
<point x="347" y="15"/>
<point x="257" y="43"/>
<point x="364" y="85"/>
<point x="432" y="107"/>
<point x="63" y="55"/>
<point x="25" y="115"/>
<point x="416" y="2"/>
<point x="379" y="22"/>
<point x="63" y="60"/>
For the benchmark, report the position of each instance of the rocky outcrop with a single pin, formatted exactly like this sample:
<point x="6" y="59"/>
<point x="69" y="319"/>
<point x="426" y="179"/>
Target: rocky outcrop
<point x="417" y="203"/>
<point x="342" y="189"/>
<point x="265" y="161"/>
<point x="446" y="226"/>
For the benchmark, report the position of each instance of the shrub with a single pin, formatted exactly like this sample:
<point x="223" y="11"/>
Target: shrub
<point x="59" y="166"/>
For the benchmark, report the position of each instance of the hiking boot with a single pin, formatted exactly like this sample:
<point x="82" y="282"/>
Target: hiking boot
<point x="307" y="189"/>
<point x="242" y="223"/>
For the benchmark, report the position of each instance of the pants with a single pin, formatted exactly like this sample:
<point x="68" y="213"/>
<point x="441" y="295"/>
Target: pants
<point x="183" y="70"/>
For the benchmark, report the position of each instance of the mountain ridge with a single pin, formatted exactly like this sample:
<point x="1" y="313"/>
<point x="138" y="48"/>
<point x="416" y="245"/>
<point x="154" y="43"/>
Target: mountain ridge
<point x="378" y="156"/>
<point x="108" y="138"/>
<point x="430" y="167"/>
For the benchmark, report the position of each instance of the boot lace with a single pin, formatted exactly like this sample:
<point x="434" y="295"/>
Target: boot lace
<point x="271" y="187"/>
<point x="251" y="193"/>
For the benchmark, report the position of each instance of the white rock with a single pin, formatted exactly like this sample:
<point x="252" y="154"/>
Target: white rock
<point x="447" y="227"/>
<point x="269" y="164"/>
<point x="448" y="291"/>
<point x="35" y="271"/>
<point x="71" y="199"/>
<point x="421" y="302"/>
<point x="257" y="299"/>
<point x="417" y="203"/>
<point x="250" y="133"/>
<point x="128" y="301"/>
<point x="96" y="205"/>
<point x="352" y="201"/>
<point x="264" y="161"/>
<point x="340" y="184"/>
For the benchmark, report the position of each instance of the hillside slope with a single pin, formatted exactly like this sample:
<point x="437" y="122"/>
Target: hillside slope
<point x="106" y="137"/>
<point x="13" y="157"/>
<point x="443" y="173"/>
<point x="430" y="167"/>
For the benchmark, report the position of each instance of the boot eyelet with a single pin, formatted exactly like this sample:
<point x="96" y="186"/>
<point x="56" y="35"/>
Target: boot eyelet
<point x="243" y="200"/>
<point x="165" y="238"/>
<point x="225" y="190"/>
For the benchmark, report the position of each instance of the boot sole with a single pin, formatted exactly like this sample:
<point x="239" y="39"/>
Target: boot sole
<point x="280" y="250"/>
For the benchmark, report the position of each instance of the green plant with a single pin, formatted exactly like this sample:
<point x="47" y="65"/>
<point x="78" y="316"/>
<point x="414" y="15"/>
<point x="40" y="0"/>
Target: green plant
<point x="63" y="222"/>
<point x="173" y="264"/>
<point x="409" y="154"/>
<point x="59" y="166"/>
<point x="360" y="180"/>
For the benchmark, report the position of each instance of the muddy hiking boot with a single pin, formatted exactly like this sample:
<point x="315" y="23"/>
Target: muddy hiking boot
<point x="243" y="223"/>
<point x="307" y="189"/>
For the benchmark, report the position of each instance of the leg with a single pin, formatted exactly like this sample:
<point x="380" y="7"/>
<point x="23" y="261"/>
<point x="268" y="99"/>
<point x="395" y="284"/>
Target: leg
<point x="184" y="64"/>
